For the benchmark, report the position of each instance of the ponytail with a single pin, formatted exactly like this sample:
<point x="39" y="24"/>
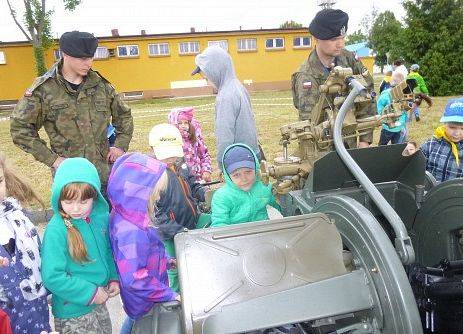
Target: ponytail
<point x="76" y="244"/>
<point x="159" y="188"/>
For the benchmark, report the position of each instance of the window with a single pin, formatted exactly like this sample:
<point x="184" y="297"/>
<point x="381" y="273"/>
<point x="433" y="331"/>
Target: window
<point x="275" y="43"/>
<point x="101" y="53"/>
<point x="302" y="42"/>
<point x="186" y="48"/>
<point x="127" y="51"/>
<point x="2" y="57"/>
<point x="57" y="54"/>
<point x="247" y="44"/>
<point x="223" y="44"/>
<point x="159" y="49"/>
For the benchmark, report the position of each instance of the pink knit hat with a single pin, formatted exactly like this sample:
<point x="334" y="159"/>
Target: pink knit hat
<point x="185" y="114"/>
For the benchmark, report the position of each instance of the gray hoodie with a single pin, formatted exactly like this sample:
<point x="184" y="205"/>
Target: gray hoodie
<point x="234" y="119"/>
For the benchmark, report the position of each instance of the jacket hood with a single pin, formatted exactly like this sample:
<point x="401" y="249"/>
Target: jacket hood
<point x="227" y="178"/>
<point x="216" y="64"/>
<point x="133" y="178"/>
<point x="80" y="170"/>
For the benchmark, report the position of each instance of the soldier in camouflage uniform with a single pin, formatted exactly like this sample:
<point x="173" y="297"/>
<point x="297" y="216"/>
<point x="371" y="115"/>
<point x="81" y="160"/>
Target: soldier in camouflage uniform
<point x="329" y="28"/>
<point x="75" y="105"/>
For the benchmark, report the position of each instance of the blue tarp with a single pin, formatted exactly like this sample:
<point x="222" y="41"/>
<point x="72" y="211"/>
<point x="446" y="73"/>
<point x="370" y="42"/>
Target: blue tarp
<point x="360" y="49"/>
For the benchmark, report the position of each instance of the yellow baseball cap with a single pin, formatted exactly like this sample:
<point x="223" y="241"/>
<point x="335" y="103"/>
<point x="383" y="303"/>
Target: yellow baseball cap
<point x="166" y="141"/>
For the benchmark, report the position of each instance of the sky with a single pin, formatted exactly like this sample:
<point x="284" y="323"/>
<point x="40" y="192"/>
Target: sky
<point x="160" y="16"/>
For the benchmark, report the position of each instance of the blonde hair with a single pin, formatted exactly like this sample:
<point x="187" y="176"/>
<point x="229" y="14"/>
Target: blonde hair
<point x="17" y="186"/>
<point x="159" y="188"/>
<point x="73" y="191"/>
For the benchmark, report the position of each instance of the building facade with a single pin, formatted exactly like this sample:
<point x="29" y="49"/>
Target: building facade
<point x="146" y="66"/>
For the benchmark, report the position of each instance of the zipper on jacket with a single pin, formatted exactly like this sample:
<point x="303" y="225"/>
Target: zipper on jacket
<point x="106" y="265"/>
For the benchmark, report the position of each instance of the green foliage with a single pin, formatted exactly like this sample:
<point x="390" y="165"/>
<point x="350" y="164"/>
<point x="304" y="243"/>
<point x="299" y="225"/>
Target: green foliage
<point x="290" y="24"/>
<point x="356" y="37"/>
<point x="40" y="65"/>
<point x="70" y="5"/>
<point x="433" y="38"/>
<point x="37" y="22"/>
<point x="385" y="32"/>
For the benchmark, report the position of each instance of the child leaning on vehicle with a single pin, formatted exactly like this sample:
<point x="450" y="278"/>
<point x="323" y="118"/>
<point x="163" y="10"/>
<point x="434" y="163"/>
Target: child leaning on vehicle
<point x="243" y="198"/>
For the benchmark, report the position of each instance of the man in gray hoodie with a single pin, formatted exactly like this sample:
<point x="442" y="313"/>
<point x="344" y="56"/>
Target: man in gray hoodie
<point x="234" y="119"/>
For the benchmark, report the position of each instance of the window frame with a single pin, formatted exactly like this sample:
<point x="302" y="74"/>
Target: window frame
<point x="101" y="58"/>
<point x="219" y="43"/>
<point x="301" y="39"/>
<point x="189" y="52"/>
<point x="239" y="42"/>
<point x="274" y="39"/>
<point x="57" y="54"/>
<point x="159" y="49"/>
<point x="128" y="46"/>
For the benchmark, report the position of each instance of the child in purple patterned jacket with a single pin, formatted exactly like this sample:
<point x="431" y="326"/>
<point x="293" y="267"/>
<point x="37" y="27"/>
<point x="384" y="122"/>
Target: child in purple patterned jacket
<point x="194" y="148"/>
<point x="134" y="186"/>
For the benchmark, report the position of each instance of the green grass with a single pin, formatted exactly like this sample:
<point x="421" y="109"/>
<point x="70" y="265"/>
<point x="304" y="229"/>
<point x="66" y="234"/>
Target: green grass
<point x="272" y="110"/>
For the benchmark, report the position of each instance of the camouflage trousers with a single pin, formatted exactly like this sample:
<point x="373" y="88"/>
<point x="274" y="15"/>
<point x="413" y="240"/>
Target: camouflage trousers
<point x="95" y="322"/>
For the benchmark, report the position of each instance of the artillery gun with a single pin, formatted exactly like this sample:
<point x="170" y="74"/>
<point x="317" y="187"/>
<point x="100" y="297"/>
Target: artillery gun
<point x="356" y="221"/>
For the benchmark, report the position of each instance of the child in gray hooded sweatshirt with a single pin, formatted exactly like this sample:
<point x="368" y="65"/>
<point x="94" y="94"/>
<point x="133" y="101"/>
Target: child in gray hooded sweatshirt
<point x="234" y="119"/>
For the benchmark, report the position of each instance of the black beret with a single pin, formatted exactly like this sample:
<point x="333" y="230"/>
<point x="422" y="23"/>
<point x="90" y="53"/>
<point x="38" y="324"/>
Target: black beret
<point x="78" y="44"/>
<point x="329" y="23"/>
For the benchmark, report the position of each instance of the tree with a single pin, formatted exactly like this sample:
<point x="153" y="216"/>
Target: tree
<point x="384" y="37"/>
<point x="356" y="37"/>
<point x="36" y="27"/>
<point x="368" y="20"/>
<point x="290" y="24"/>
<point x="433" y="38"/>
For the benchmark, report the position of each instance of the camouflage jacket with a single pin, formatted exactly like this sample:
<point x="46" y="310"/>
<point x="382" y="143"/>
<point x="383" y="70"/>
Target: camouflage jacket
<point x="312" y="73"/>
<point x="75" y="121"/>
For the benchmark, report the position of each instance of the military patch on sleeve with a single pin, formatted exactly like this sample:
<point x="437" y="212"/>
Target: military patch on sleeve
<point x="28" y="93"/>
<point x="307" y="85"/>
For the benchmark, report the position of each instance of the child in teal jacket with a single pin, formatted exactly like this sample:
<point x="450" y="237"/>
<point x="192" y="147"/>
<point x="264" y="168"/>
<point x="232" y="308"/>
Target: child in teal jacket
<point x="243" y="198"/>
<point x="77" y="262"/>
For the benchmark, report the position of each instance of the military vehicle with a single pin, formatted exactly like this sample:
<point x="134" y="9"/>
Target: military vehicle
<point x="355" y="252"/>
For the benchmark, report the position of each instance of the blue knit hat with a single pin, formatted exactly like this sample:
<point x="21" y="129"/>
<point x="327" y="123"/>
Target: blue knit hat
<point x="453" y="111"/>
<point x="238" y="157"/>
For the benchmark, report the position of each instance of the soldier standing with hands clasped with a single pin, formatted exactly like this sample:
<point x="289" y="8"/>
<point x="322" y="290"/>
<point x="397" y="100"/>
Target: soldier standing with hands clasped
<point x="329" y="30"/>
<point x="75" y="105"/>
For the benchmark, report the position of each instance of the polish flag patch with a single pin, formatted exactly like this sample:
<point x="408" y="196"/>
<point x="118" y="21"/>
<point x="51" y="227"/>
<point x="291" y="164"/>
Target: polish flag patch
<point x="27" y="93"/>
<point x="307" y="85"/>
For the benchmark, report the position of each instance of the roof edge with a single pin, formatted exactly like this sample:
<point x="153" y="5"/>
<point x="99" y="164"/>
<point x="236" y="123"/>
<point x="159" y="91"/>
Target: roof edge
<point x="179" y="34"/>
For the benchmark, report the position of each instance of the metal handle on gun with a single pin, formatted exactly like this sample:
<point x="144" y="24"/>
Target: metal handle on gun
<point x="403" y="244"/>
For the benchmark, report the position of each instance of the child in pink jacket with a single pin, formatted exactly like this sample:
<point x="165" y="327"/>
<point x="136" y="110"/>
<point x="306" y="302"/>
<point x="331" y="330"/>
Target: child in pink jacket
<point x="195" y="150"/>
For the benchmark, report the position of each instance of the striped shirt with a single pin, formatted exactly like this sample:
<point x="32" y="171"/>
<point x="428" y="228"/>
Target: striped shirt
<point x="440" y="160"/>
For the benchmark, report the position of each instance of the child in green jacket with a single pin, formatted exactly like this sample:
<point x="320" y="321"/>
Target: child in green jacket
<point x="420" y="86"/>
<point x="243" y="198"/>
<point x="77" y="263"/>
